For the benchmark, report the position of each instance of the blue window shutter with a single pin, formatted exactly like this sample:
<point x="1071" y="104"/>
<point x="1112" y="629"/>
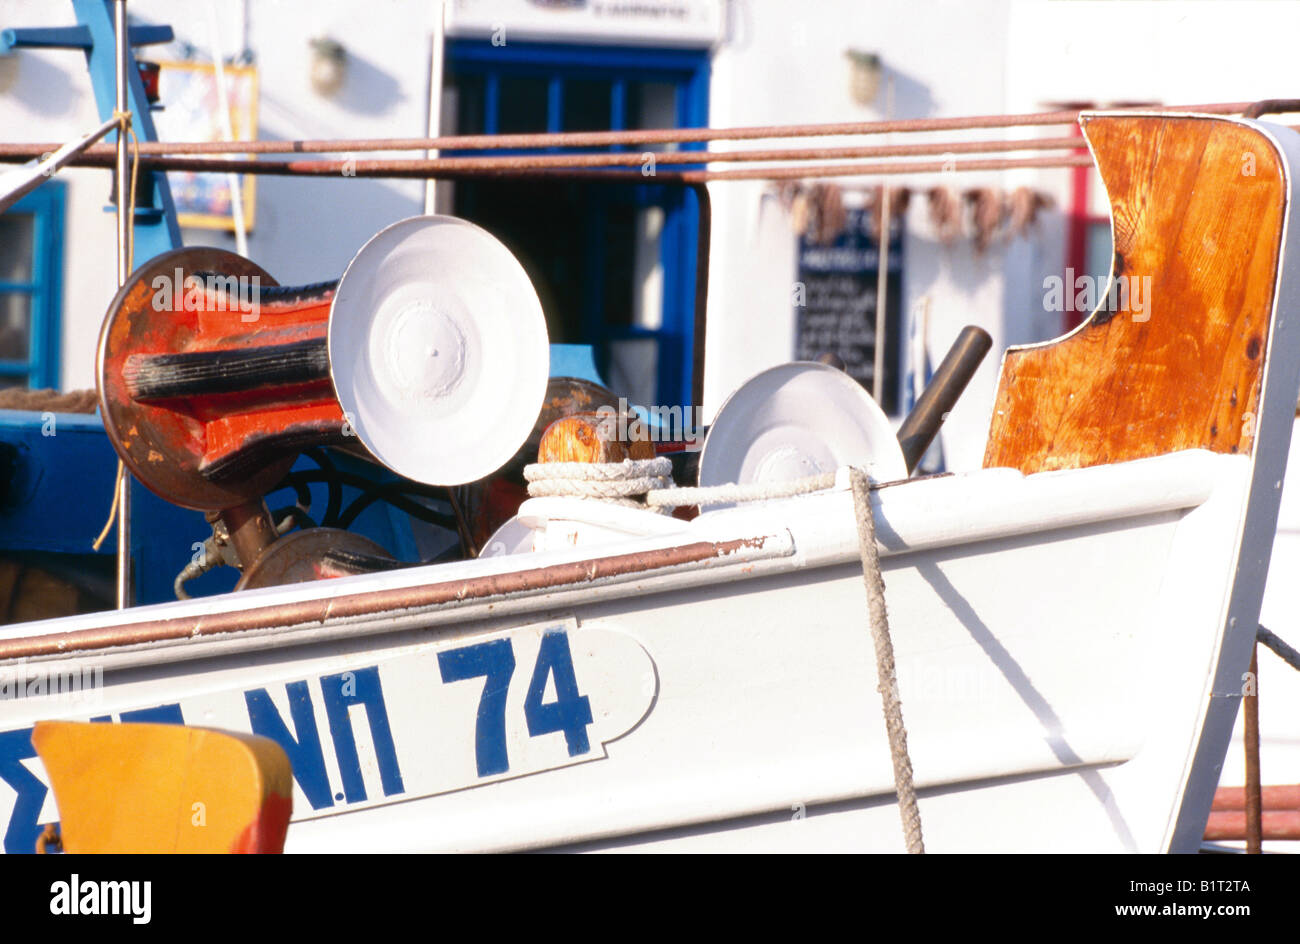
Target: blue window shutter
<point x="46" y="206"/>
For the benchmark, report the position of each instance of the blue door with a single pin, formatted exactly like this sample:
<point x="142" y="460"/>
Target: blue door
<point x="614" y="264"/>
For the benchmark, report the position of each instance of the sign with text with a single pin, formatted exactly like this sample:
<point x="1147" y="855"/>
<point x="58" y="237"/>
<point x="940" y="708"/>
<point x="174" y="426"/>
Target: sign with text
<point x="835" y="303"/>
<point x="442" y="717"/>
<point x="652" y="22"/>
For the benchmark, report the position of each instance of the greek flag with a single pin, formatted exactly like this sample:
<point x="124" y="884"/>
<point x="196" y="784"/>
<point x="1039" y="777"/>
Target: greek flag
<point x="919" y="371"/>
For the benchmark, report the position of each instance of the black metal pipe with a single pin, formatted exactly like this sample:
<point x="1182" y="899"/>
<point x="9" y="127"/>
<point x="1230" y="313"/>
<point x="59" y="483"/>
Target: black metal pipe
<point x="941" y="393"/>
<point x="239" y="370"/>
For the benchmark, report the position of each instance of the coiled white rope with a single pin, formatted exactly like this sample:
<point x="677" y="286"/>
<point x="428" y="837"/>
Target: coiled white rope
<point x="615" y="482"/>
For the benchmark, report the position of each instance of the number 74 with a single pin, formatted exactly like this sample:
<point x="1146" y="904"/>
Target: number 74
<point x="495" y="661"/>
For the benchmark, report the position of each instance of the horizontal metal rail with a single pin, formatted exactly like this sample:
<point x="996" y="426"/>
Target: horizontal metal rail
<point x="625" y="166"/>
<point x="362" y="605"/>
<point x="655" y="136"/>
<point x="9" y="151"/>
<point x="467" y="169"/>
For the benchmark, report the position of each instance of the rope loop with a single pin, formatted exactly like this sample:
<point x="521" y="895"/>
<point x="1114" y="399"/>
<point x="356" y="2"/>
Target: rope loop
<point x="615" y="482"/>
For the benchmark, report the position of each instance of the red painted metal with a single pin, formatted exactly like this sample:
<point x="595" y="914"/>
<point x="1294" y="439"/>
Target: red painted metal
<point x="179" y="446"/>
<point x="1275" y="798"/>
<point x="1231" y="825"/>
<point x="1230" y="818"/>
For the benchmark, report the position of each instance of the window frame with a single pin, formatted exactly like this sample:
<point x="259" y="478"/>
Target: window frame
<point x="688" y="69"/>
<point x="47" y="206"/>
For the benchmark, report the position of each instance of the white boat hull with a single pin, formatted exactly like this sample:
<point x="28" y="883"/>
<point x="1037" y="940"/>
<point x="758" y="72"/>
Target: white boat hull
<point x="734" y="700"/>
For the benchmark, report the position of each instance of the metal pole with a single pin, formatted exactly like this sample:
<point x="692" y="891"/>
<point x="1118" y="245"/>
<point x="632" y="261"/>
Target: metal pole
<point x="941" y="394"/>
<point x="882" y="299"/>
<point x="1254" y="793"/>
<point x="434" y="124"/>
<point x="223" y="105"/>
<point x="16" y="184"/>
<point x="882" y="274"/>
<point x="123" y="184"/>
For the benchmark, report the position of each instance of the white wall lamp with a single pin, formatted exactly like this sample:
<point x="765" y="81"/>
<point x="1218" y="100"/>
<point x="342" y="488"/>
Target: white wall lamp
<point x="329" y="66"/>
<point x="8" y="69"/>
<point x="864" y="76"/>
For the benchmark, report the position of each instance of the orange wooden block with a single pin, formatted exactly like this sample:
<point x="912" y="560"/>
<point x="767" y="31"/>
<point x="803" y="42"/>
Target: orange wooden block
<point x="595" y="437"/>
<point x="165" y="788"/>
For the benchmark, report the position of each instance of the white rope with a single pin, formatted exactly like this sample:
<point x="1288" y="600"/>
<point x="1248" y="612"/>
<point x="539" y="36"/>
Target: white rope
<point x="887" y="685"/>
<point x="755" y="491"/>
<point x="615" y="482"/>
<point x="621" y="482"/>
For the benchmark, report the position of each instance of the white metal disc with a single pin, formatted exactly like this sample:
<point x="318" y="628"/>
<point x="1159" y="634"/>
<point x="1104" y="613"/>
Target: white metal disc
<point x="797" y="420"/>
<point x="438" y="350"/>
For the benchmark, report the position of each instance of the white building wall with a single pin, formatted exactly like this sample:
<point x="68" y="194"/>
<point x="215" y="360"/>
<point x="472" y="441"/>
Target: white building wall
<point x="784" y="63"/>
<point x="307" y="229"/>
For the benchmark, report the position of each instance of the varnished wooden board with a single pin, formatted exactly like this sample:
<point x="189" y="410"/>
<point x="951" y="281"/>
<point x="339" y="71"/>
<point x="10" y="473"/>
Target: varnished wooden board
<point x="166" y="788"/>
<point x="1197" y="205"/>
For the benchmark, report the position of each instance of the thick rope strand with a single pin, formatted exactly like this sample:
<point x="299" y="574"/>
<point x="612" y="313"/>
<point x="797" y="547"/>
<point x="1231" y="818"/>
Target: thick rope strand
<point x="756" y="491"/>
<point x="908" y="809"/>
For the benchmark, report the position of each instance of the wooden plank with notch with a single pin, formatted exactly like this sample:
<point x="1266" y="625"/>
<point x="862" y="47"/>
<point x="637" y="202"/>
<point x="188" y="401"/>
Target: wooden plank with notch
<point x="1197" y="206"/>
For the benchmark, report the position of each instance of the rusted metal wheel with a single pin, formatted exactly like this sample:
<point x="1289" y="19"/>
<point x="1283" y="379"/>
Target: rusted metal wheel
<point x="315" y="554"/>
<point x="164" y="447"/>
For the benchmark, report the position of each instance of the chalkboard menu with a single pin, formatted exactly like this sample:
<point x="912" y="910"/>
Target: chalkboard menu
<point x="837" y="288"/>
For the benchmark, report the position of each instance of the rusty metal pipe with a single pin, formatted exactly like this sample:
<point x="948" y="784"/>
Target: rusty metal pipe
<point x="1272" y="106"/>
<point x="251" y="530"/>
<point x="505" y="169"/>
<point x="375" y="603"/>
<point x="655" y="136"/>
<point x="1254" y="794"/>
<point x="633" y="159"/>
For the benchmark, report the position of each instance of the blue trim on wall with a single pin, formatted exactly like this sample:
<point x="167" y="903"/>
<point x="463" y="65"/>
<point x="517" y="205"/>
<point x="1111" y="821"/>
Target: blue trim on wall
<point x="46" y="205"/>
<point x="573" y="58"/>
